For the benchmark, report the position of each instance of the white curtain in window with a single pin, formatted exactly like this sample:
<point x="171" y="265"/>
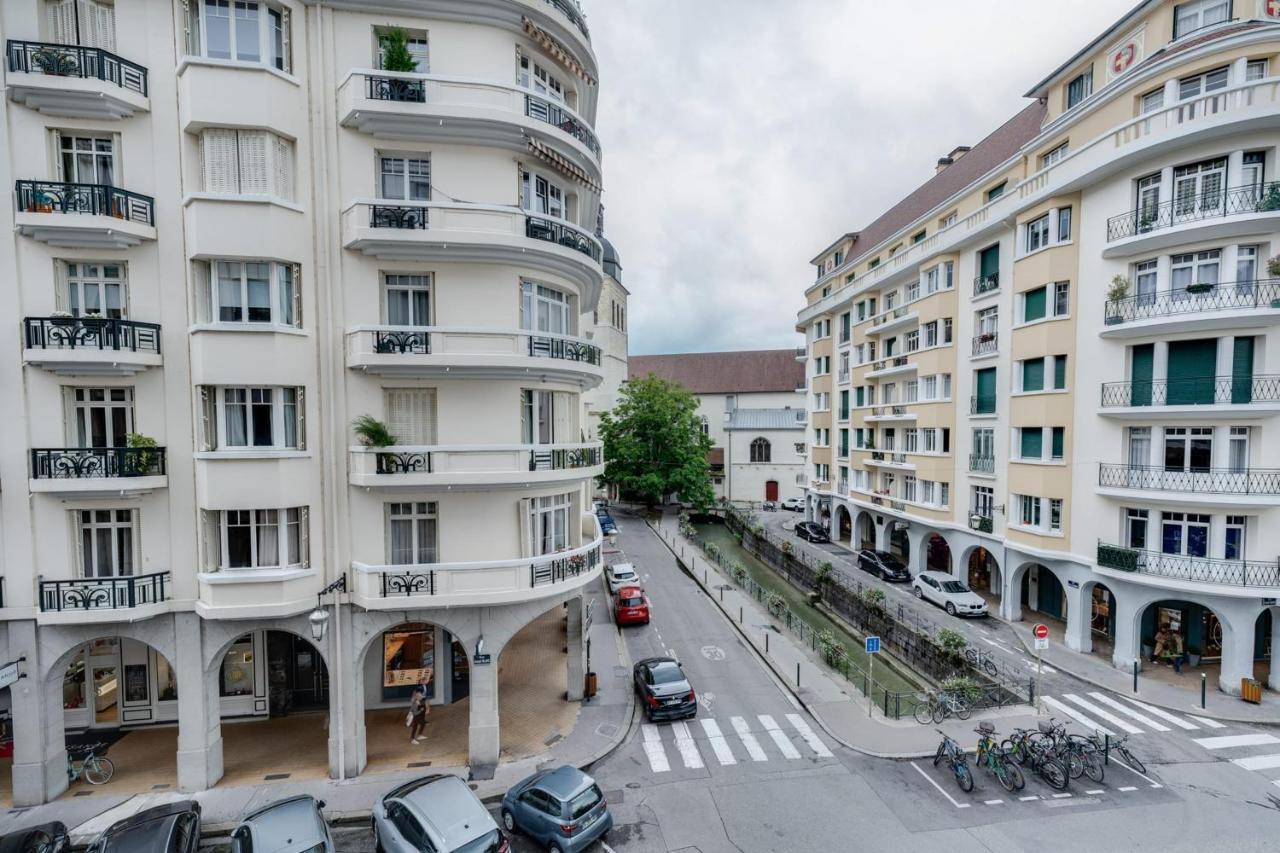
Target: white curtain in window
<point x="411" y="415"/>
<point x="268" y="529"/>
<point x="236" y="417"/>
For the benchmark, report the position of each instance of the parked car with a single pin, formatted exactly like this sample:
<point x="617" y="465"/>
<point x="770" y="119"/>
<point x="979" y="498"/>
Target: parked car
<point x="437" y="812"/>
<point x="563" y="809"/>
<point x="43" y="838"/>
<point x="884" y="565"/>
<point x="292" y="825"/>
<point x="812" y="531"/>
<point x="663" y="688"/>
<point x="169" y="828"/>
<point x="619" y="575"/>
<point x="607" y="525"/>
<point x="631" y="607"/>
<point x="793" y="504"/>
<point x="948" y="593"/>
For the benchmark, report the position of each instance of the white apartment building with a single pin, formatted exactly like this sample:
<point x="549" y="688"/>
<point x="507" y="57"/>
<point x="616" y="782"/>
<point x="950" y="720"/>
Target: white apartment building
<point x="609" y="333"/>
<point x="234" y="232"/>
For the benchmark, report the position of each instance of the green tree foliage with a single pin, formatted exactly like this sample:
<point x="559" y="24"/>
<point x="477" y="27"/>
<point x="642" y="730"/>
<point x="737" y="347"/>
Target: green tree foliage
<point x="395" y="51"/>
<point x="654" y="445"/>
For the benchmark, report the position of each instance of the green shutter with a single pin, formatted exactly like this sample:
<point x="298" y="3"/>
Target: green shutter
<point x="1192" y="365"/>
<point x="1032" y="443"/>
<point x="989" y="261"/>
<point x="1033" y="304"/>
<point x="985" y="385"/>
<point x="1058" y="434"/>
<point x="1059" y="372"/>
<point x="1141" y="374"/>
<point x="1242" y="371"/>
<point x="1033" y="375"/>
<point x="859" y="395"/>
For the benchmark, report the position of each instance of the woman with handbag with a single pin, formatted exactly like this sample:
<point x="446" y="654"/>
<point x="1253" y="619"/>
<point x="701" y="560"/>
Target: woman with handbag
<point x="418" y="711"/>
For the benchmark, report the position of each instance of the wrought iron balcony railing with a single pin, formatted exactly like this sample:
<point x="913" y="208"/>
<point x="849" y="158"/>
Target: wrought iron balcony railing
<point x="404" y="90"/>
<point x="401" y="216"/>
<point x="1192" y="391"/>
<point x="397" y="460"/>
<point x="95" y="199"/>
<point x="1187" y="568"/>
<point x="982" y="405"/>
<point x="1196" y="299"/>
<point x="70" y="60"/>
<point x="986" y="283"/>
<point x="986" y="343"/>
<point x="1205" y="481"/>
<point x="558" y="569"/>
<point x="1256" y="198"/>
<point x="566" y="349"/>
<point x="555" y="231"/>
<point x="81" y="463"/>
<point x="573" y="12"/>
<point x="554" y="114"/>
<point x="91" y="333"/>
<point x="982" y="464"/>
<point x="103" y="593"/>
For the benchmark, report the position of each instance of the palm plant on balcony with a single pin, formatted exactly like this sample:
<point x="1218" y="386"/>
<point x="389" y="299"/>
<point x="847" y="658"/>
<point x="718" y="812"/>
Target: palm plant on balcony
<point x="1273" y="266"/>
<point x="371" y="432"/>
<point x="395" y="51"/>
<point x="145" y="456"/>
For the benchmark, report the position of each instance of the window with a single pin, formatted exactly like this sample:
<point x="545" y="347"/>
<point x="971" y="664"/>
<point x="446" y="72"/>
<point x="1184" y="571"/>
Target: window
<point x="257" y="538"/>
<point x="1055" y="515"/>
<point x="550" y="523"/>
<point x="1135" y="528"/>
<point x="542" y="195"/>
<point x="246" y="162"/>
<point x="948" y="220"/>
<point x="1059" y="435"/>
<point x="239" y="31"/>
<point x="1064" y="224"/>
<point x="1079" y="88"/>
<point x="1202" y="84"/>
<point x="1152" y="101"/>
<point x="546" y="416"/>
<point x="1037" y="231"/>
<point x="407" y="178"/>
<point x="929" y="388"/>
<point x="256" y="417"/>
<point x="844" y="327"/>
<point x="411" y="534"/>
<point x="250" y="292"/>
<point x="410" y="415"/>
<point x="873" y="263"/>
<point x="996" y="191"/>
<point x="1031" y="443"/>
<point x="1033" y="304"/>
<point x="1256" y="69"/>
<point x="1188" y="449"/>
<point x="1052" y="156"/>
<point x="984" y="443"/>
<point x="911" y="292"/>
<point x="984" y="499"/>
<point x="106" y="542"/>
<point x="1028" y="511"/>
<point x="1059" y="372"/>
<point x="1189" y="17"/>
<point x="87" y="159"/>
<point x="1233" y="545"/>
<point x="406" y="299"/>
<point x="101" y="417"/>
<point x="909" y="488"/>
<point x="946" y="330"/>
<point x="417" y="45"/>
<point x="1061" y="299"/>
<point x="546" y="309"/>
<point x="911" y="440"/>
<point x="94" y="288"/>
<point x="1032" y="375"/>
<point x="931" y="333"/>
<point x="1191" y="269"/>
<point x="1185" y="534"/>
<point x="918" y="237"/>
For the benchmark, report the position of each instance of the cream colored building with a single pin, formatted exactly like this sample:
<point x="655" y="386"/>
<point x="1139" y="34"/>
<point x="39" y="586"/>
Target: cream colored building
<point x="1103" y="457"/>
<point x="234" y="233"/>
<point x="609" y="333"/>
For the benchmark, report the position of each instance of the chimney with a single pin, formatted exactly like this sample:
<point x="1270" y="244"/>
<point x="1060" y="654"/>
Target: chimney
<point x="943" y="163"/>
<point x="958" y="152"/>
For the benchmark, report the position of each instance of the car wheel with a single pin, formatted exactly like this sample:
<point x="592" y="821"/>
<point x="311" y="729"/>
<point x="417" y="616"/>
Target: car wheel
<point x="553" y="847"/>
<point x="918" y="592"/>
<point x="951" y="609"/>
<point x="377" y="842"/>
<point x="508" y="821"/>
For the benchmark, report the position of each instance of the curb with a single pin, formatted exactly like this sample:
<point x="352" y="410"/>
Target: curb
<point x="778" y="676"/>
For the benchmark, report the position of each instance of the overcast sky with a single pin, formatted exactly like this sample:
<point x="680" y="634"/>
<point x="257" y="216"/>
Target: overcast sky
<point x="742" y="136"/>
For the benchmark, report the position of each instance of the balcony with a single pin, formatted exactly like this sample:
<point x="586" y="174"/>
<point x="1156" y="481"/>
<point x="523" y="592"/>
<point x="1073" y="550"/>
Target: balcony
<point x="890" y="414"/>
<point x="92" y="595"/>
<point x="90" y="346"/>
<point x="842" y="377"/>
<point x="893" y="319"/>
<point x="988" y="343"/>
<point x="475" y="466"/>
<point x="982" y="406"/>
<point x="891" y="366"/>
<point x="401" y="587"/>
<point x="80" y="82"/>
<point x="430" y="351"/>
<point x="98" y="471"/>
<point x="1236" y="305"/>
<point x="1202" y="397"/>
<point x="889" y="459"/>
<point x="1237" y="211"/>
<point x="979" y="464"/>
<point x="1205" y="486"/>
<point x="802" y="353"/>
<point x="1242" y="574"/>
<point x="476" y="233"/>
<point x="571" y="10"/>
<point x="83" y="216"/>
<point x="985" y="284"/>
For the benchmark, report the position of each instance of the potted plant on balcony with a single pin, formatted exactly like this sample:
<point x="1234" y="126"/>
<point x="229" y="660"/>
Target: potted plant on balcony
<point x="145" y="458"/>
<point x="371" y="432"/>
<point x="1270" y="200"/>
<point x="1146" y="221"/>
<point x="93" y="320"/>
<point x="1200" y="287"/>
<point x="1118" y="292"/>
<point x="62" y="318"/>
<point x="1273" y="270"/>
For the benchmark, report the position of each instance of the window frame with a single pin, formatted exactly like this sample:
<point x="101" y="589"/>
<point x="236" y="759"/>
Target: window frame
<point x="287" y="520"/>
<point x="274" y="36"/>
<point x="117" y="531"/>
<point x="282" y="291"/>
<point x="279" y="405"/>
<point x="423" y="518"/>
<point x="1200" y="6"/>
<point x="1073" y="100"/>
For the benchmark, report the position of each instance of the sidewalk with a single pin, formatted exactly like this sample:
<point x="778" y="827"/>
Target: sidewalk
<point x="835" y="703"/>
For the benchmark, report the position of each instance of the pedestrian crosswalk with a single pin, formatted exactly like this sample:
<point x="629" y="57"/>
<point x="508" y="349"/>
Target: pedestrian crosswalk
<point x="691" y="740"/>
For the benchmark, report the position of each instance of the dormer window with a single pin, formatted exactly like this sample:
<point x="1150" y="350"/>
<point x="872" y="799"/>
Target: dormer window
<point x="1190" y="17"/>
<point x="1080" y="88"/>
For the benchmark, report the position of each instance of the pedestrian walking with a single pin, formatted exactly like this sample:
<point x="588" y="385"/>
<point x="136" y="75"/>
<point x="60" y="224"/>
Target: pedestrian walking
<point x="419" y="708"/>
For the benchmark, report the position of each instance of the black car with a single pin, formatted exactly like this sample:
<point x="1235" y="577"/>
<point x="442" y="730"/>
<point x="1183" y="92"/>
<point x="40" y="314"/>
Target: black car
<point x="661" y="685"/>
<point x="170" y="828"/>
<point x="882" y="564"/>
<point x="45" y="838"/>
<point x="812" y="531"/>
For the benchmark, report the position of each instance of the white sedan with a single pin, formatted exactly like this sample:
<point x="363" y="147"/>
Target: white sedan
<point x="948" y="593"/>
<point x="620" y="575"/>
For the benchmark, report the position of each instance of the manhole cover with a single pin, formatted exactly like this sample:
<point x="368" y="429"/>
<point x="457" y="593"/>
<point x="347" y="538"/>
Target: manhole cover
<point x="607" y="729"/>
<point x="633" y="785"/>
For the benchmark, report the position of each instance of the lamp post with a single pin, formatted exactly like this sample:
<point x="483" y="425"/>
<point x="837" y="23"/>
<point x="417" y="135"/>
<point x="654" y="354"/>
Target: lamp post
<point x="319" y="620"/>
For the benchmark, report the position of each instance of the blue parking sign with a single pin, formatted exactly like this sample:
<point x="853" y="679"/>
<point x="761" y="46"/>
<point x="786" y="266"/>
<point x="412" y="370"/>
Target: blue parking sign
<point x="873" y="645"/>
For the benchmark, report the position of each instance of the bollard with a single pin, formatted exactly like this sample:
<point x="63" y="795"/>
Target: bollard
<point x="766" y="642"/>
<point x="722" y="593"/>
<point x="704" y="576"/>
<point x="739" y="614"/>
<point x="1135" y="676"/>
<point x="797" y="673"/>
<point x="1203" y="682"/>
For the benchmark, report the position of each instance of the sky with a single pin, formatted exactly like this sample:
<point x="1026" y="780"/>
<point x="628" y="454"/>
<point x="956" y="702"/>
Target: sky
<point x="741" y="137"/>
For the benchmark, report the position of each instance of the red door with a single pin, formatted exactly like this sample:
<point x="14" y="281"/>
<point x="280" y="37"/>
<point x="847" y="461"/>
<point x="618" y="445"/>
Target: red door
<point x="771" y="490"/>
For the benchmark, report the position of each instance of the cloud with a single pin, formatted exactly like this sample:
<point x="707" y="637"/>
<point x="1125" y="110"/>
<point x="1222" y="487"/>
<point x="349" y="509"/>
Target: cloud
<point x="742" y="136"/>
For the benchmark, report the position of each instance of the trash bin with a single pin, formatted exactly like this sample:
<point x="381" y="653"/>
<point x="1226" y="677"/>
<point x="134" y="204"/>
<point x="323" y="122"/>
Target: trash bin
<point x="1251" y="690"/>
<point x="589" y="689"/>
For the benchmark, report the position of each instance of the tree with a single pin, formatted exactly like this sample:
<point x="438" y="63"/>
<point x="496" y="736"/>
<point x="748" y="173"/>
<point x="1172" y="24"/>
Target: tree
<point x="395" y="51"/>
<point x="654" y="444"/>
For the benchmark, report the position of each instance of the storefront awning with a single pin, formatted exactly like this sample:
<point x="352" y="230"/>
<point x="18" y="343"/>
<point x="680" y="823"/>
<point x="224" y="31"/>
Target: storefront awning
<point x="553" y="47"/>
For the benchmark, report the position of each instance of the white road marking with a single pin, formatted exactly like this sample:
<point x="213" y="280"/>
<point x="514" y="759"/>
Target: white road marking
<point x="931" y="781"/>
<point x="1062" y="796"/>
<point x="1258" y="762"/>
<point x="1106" y="715"/>
<point x="653" y="749"/>
<point x="1142" y="718"/>
<point x="606" y="848"/>
<point x="748" y="739"/>
<point x="1162" y="714"/>
<point x="1116" y="759"/>
<point x="1072" y="712"/>
<point x="1276" y="783"/>
<point x="992" y="802"/>
<point x="1043" y="666"/>
<point x="1097" y="791"/>
<point x="779" y="737"/>
<point x="719" y="745"/>
<point x="688" y="749"/>
<point x="815" y="742"/>
<point x="1027" y="799"/>
<point x="671" y="653"/>
<point x="1128" y="788"/>
<point x="1235" y="740"/>
<point x="1213" y="724"/>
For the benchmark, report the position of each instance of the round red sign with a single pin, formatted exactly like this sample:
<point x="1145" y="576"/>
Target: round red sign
<point x="1041" y="631"/>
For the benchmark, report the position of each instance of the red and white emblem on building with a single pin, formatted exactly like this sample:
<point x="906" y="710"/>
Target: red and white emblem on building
<point x="1271" y="9"/>
<point x="1122" y="57"/>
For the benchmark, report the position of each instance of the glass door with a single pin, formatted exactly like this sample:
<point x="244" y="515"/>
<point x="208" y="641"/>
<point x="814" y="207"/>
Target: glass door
<point x="96" y="289"/>
<point x="408" y="300"/>
<point x="1139" y="455"/>
<point x="106" y="696"/>
<point x="1145" y="279"/>
<point x="539" y="417"/>
<point x="406" y="178"/>
<point x="1148" y="202"/>
<point x="545" y="309"/>
<point x="1198" y="189"/>
<point x="103" y="417"/>
<point x="87" y="159"/>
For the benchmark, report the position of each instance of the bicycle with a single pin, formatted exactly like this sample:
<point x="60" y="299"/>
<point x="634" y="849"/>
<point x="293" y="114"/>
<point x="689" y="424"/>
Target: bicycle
<point x="1079" y="753"/>
<point x="956" y="759"/>
<point x="995" y="759"/>
<point x="1118" y="745"/>
<point x="978" y="660"/>
<point x="96" y="769"/>
<point x="936" y="707"/>
<point x="1023" y="749"/>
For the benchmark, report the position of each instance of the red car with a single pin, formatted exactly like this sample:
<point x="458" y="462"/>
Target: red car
<point x="631" y="606"/>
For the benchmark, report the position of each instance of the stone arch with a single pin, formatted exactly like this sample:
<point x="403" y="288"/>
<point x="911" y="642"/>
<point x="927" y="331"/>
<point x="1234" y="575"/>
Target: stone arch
<point x="1026" y="592"/>
<point x="1208" y="633"/>
<point x="1098" y="635"/>
<point x="898" y="542"/>
<point x="866" y="530"/>
<point x="980" y="569"/>
<point x="842" y="525"/>
<point x="935" y="553"/>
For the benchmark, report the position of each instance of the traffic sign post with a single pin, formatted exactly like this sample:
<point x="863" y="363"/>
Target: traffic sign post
<point x="873" y="649"/>
<point x="1041" y="633"/>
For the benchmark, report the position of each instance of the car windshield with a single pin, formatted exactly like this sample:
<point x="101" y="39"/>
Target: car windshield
<point x="632" y="602"/>
<point x="490" y="842"/>
<point x="584" y="802"/>
<point x="625" y="573"/>
<point x="891" y="561"/>
<point x="954" y="586"/>
<point x="666" y="673"/>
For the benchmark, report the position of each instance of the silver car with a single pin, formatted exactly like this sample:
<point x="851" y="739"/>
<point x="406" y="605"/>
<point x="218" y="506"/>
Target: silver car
<point x="437" y="813"/>
<point x="619" y="575"/>
<point x="295" y="825"/>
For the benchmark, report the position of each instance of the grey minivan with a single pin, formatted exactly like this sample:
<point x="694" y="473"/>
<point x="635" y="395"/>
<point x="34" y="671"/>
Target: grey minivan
<point x="437" y="813"/>
<point x="562" y="808"/>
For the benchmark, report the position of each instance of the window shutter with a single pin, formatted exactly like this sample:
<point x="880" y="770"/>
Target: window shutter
<point x="202" y="291"/>
<point x="562" y="416"/>
<point x="304" y="536"/>
<point x="252" y="148"/>
<point x="69" y="415"/>
<point x="302" y="418"/>
<point x="286" y="46"/>
<point x="191" y="25"/>
<point x="281" y="167"/>
<point x="212" y="539"/>
<point x="297" y="295"/>
<point x="411" y="415"/>
<point x="525" y="508"/>
<point x="62" y="286"/>
<point x="208" y="418"/>
<point x="218" y="161"/>
<point x="97" y="25"/>
<point x="62" y="21"/>
<point x="73" y="521"/>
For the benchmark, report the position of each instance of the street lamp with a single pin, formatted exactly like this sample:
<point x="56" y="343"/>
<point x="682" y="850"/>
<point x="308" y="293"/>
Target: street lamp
<point x="319" y="621"/>
<point x="319" y="617"/>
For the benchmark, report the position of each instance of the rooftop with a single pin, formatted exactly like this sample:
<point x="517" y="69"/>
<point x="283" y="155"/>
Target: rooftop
<point x="761" y="419"/>
<point x="744" y="372"/>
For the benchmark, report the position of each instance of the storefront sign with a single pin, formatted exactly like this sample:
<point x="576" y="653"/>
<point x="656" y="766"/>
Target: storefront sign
<point x="408" y="658"/>
<point x="482" y="660"/>
<point x="9" y="673"/>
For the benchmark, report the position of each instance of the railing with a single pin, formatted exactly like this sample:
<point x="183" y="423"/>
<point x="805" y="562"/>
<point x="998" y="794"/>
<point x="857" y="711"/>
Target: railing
<point x="982" y="464"/>
<point x="1192" y="391"/>
<point x="555" y="231"/>
<point x="558" y="569"/>
<point x="69" y="60"/>
<point x="557" y="116"/>
<point x="1257" y="198"/>
<point x="566" y="458"/>
<point x="1197" y="299"/>
<point x="406" y="217"/>
<point x="91" y="333"/>
<point x="402" y="462"/>
<point x="409" y="583"/>
<point x="570" y="10"/>
<point x="986" y="283"/>
<point x="95" y="199"/>
<point x="83" y="463"/>
<point x="566" y="349"/>
<point x="1188" y="568"/>
<point x="802" y="352"/>
<point x="842" y="376"/>
<point x="103" y="593"/>
<point x="980" y="406"/>
<point x="476" y="459"/>
<point x="404" y="90"/>
<point x="1212" y="481"/>
<point x="986" y="344"/>
<point x="983" y="523"/>
<point x="843" y="486"/>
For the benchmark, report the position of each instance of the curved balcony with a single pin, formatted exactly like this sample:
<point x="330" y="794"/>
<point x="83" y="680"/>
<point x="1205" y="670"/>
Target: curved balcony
<point x="445" y="231"/>
<point x="128" y="597"/>
<point x="70" y="80"/>
<point x="83" y="216"/>
<point x="407" y="105"/>
<point x="984" y="284"/>
<point x="895" y="318"/>
<point x="485" y="353"/>
<point x="1248" y="487"/>
<point x="1234" y="305"/>
<point x="1233" y="212"/>
<point x="474" y="466"/>
<point x="1195" y="398"/>
<point x="988" y="343"/>
<point x="891" y="366"/>
<point x="90" y="346"/>
<point x="889" y="414"/>
<point x="1244" y="575"/>
<point x="479" y="583"/>
<point x="100" y="471"/>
